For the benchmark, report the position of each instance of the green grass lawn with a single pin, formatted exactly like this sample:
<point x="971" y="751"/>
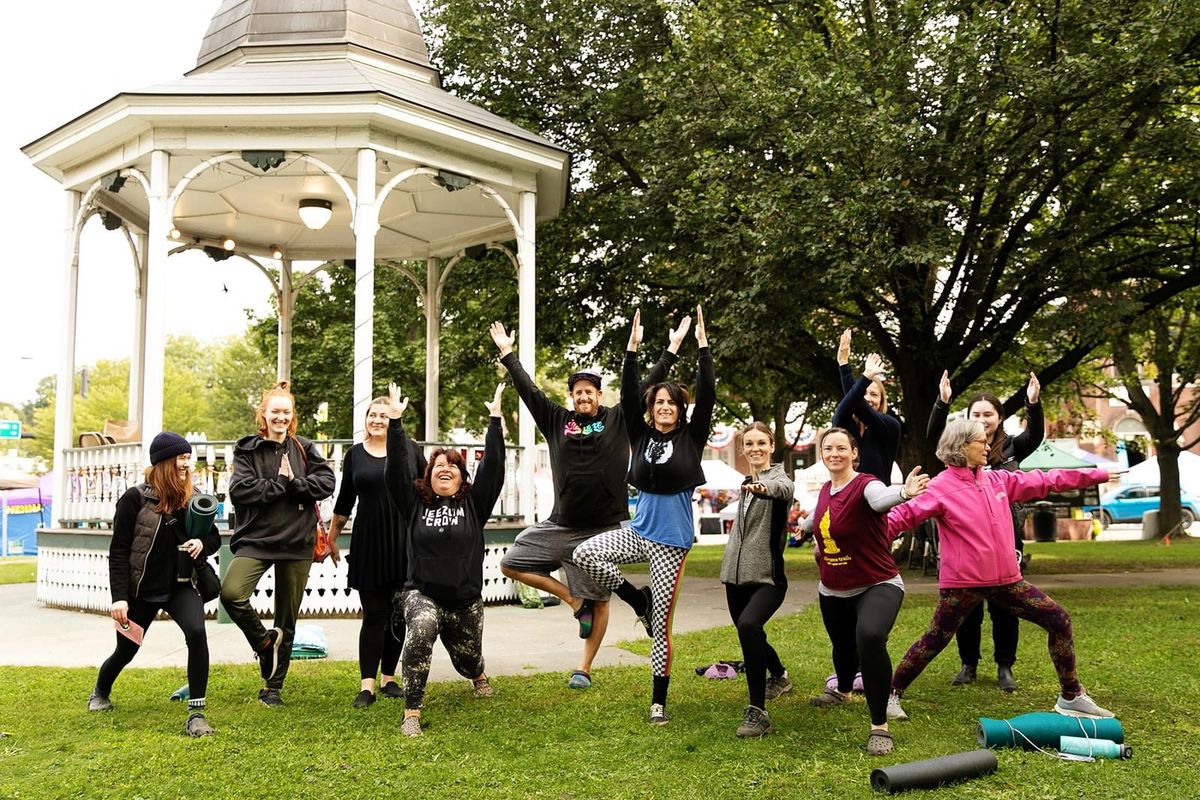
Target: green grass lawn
<point x="18" y="570"/>
<point x="537" y="739"/>
<point x="1047" y="558"/>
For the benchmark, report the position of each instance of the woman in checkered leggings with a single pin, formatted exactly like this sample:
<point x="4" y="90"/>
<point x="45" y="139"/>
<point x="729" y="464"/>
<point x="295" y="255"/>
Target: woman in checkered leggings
<point x="667" y="447"/>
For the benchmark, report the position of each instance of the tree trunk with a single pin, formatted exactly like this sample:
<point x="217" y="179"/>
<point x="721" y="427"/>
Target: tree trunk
<point x="920" y="392"/>
<point x="1169" y="516"/>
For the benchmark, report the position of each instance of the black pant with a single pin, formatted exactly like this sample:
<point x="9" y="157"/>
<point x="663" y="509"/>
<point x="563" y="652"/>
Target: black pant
<point x="379" y="639"/>
<point x="1005" y="633"/>
<point x="187" y="610"/>
<point x="858" y="628"/>
<point x="750" y="606"/>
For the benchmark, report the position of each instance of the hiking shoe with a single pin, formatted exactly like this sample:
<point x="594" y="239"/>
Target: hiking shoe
<point x="198" y="726"/>
<point x="585" y="615"/>
<point x="270" y="697"/>
<point x="1080" y="706"/>
<point x="755" y="724"/>
<point x="880" y="743"/>
<point x="658" y="714"/>
<point x="778" y="686"/>
<point x="364" y="699"/>
<point x="481" y="688"/>
<point x="268" y="654"/>
<point x="392" y="689"/>
<point x="830" y="697"/>
<point x="98" y="702"/>
<point x="965" y="675"/>
<point x="1005" y="678"/>
<point x="646" y="616"/>
<point x="411" y="726"/>
<point x="894" y="711"/>
<point x="579" y="680"/>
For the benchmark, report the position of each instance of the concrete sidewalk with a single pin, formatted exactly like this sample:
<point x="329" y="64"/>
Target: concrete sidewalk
<point x="516" y="640"/>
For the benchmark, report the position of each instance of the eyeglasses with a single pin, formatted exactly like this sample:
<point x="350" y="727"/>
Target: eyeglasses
<point x="978" y="441"/>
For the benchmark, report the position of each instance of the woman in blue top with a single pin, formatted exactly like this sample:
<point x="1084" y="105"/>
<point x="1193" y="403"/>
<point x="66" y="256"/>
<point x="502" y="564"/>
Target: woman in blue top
<point x="666" y="469"/>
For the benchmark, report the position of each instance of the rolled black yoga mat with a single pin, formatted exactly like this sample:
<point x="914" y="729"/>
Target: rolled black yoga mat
<point x="202" y="510"/>
<point x="933" y="772"/>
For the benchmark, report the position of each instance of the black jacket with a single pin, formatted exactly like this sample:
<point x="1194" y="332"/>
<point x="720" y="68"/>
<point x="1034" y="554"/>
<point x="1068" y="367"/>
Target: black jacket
<point x="275" y="516"/>
<point x="142" y="556"/>
<point x="879" y="440"/>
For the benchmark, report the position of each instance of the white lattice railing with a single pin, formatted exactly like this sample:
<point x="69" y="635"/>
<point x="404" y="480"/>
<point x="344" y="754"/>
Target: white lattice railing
<point x="73" y="573"/>
<point x="98" y="476"/>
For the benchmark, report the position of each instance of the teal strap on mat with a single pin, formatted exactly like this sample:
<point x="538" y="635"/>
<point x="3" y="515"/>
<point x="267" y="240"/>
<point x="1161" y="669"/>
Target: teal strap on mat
<point x="1044" y="729"/>
<point x="202" y="510"/>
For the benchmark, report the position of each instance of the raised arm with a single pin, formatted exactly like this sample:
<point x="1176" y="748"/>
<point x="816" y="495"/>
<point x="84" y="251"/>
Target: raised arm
<point x="700" y="424"/>
<point x="547" y="415"/>
<point x="399" y="472"/>
<point x="909" y="515"/>
<point x="940" y="410"/>
<point x="1028" y="440"/>
<point x="489" y="475"/>
<point x="631" y="392"/>
<point x="1023" y="486"/>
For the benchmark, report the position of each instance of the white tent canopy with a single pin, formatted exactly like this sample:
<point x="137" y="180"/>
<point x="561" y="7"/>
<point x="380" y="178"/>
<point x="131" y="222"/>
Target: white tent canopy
<point x="1146" y="473"/>
<point x="718" y="475"/>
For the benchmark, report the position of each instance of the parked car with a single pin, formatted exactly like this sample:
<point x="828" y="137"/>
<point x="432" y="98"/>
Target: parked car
<point x="1129" y="503"/>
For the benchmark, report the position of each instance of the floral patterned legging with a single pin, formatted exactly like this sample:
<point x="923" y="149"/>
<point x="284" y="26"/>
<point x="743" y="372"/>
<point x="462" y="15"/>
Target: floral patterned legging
<point x="1023" y="599"/>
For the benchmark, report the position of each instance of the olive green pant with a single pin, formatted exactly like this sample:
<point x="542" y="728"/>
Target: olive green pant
<point x="240" y="581"/>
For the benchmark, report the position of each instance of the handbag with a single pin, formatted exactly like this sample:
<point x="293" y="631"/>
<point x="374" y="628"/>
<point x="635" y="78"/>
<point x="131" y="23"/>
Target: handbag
<point x="205" y="579"/>
<point x="323" y="546"/>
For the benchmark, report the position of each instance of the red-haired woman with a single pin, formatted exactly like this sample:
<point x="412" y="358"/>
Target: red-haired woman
<point x="444" y="512"/>
<point x="277" y="478"/>
<point x="150" y="567"/>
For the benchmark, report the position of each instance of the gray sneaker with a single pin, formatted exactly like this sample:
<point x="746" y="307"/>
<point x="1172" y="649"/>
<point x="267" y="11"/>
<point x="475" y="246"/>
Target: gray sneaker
<point x="894" y="711"/>
<point x="198" y="726"/>
<point x="829" y="698"/>
<point x="98" y="702"/>
<point x="658" y="714"/>
<point x="778" y="686"/>
<point x="1080" y="706"/>
<point x="755" y="724"/>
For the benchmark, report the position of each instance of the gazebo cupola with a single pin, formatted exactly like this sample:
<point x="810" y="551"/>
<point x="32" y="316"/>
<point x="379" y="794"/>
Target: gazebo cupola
<point x="298" y="108"/>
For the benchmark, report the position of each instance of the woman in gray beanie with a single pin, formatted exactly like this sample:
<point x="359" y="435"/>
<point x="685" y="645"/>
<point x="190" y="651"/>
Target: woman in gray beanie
<point x="150" y="564"/>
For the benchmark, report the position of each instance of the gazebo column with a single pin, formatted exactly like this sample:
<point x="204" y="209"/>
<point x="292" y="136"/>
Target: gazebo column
<point x="527" y="327"/>
<point x="433" y="347"/>
<point x="155" y="297"/>
<point x="137" y="356"/>
<point x="64" y="390"/>
<point x="286" y="300"/>
<point x="365" y="226"/>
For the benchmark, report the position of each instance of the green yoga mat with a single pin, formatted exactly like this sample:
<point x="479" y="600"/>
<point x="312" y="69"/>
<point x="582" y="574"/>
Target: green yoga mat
<point x="1044" y="729"/>
<point x="202" y="510"/>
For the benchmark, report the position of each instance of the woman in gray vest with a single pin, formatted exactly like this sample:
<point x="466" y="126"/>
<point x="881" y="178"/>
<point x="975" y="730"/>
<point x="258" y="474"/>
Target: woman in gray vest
<point x="151" y="567"/>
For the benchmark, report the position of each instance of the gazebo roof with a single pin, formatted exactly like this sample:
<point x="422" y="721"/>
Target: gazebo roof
<point x="319" y="79"/>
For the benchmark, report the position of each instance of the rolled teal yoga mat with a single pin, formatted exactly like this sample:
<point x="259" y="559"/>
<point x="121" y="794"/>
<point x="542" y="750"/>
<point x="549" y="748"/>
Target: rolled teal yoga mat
<point x="1044" y="729"/>
<point x="202" y="510"/>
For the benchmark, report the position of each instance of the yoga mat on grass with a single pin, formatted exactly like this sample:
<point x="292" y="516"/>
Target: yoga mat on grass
<point x="1044" y="729"/>
<point x="309" y="642"/>
<point x="933" y="772"/>
<point x="201" y="511"/>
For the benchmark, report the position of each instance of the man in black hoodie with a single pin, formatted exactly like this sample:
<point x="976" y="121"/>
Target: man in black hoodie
<point x="589" y="458"/>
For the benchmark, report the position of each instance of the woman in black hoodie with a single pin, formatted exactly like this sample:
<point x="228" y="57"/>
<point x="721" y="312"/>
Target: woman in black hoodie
<point x="445" y="513"/>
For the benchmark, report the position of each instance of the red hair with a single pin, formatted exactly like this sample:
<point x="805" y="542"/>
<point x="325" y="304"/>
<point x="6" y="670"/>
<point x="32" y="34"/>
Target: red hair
<point x="455" y="459"/>
<point x="173" y="492"/>
<point x="278" y="390"/>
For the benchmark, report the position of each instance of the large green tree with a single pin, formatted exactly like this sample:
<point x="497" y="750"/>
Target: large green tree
<point x="949" y="178"/>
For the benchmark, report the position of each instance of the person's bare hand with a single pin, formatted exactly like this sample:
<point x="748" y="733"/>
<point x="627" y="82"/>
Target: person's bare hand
<point x="503" y="339"/>
<point x="676" y="336"/>
<point x="635" y="332"/>
<point x="843" y="351"/>
<point x="396" y="404"/>
<point x="1034" y="390"/>
<point x="494" y="406"/>
<point x="701" y="331"/>
<point x="944" y="387"/>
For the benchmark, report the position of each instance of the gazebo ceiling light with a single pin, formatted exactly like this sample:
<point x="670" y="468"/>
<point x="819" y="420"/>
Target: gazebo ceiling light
<point x="228" y="244"/>
<point x="315" y="213"/>
<point x="276" y="253"/>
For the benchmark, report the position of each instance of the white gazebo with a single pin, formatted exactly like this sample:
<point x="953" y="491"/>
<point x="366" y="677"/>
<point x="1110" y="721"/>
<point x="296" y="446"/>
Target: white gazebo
<point x="307" y="131"/>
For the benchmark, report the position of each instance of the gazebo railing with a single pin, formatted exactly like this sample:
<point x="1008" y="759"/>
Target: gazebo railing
<point x="98" y="476"/>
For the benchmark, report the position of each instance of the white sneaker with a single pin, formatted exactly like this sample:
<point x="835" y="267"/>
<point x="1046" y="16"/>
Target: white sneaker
<point x="658" y="714"/>
<point x="1081" y="706"/>
<point x="894" y="711"/>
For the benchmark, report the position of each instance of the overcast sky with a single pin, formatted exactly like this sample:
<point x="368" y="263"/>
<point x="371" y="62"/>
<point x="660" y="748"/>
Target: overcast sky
<point x="60" y="59"/>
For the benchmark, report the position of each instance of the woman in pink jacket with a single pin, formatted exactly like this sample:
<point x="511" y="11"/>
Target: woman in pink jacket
<point x="971" y="506"/>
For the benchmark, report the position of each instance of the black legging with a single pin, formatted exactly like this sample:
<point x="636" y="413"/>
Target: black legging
<point x="381" y="637"/>
<point x="1005" y="633"/>
<point x="750" y="606"/>
<point x="187" y="610"/>
<point x="859" y="627"/>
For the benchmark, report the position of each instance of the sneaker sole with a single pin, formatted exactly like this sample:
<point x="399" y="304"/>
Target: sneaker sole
<point x="1080" y="714"/>
<point x="741" y="735"/>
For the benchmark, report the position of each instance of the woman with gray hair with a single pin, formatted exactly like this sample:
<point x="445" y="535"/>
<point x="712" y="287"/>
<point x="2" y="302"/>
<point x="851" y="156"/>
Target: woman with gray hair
<point x="971" y="506"/>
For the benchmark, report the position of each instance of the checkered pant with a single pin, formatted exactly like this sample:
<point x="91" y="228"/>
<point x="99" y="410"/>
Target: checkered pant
<point x="600" y="556"/>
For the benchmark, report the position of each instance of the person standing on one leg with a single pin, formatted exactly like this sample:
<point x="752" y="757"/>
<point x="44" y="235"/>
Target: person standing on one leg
<point x="666" y="469"/>
<point x="277" y="479"/>
<point x="752" y="571"/>
<point x="589" y="457"/>
<point x="151" y="566"/>
<point x="1004" y="452"/>
<point x="444" y="512"/>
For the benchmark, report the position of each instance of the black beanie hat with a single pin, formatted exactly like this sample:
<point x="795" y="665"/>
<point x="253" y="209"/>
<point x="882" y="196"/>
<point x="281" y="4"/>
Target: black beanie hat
<point x="168" y="445"/>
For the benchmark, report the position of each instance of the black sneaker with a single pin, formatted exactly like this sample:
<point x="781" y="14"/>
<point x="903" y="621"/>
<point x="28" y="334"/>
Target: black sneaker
<point x="268" y="654"/>
<point x="646" y="616"/>
<point x="364" y="699"/>
<point x="270" y="697"/>
<point x="392" y="689"/>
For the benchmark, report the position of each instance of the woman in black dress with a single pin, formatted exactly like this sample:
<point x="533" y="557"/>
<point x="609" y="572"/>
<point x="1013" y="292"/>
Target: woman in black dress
<point x="376" y="557"/>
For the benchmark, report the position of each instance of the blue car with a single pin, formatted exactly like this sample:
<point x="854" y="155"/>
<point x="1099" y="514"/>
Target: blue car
<point x="1129" y="503"/>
